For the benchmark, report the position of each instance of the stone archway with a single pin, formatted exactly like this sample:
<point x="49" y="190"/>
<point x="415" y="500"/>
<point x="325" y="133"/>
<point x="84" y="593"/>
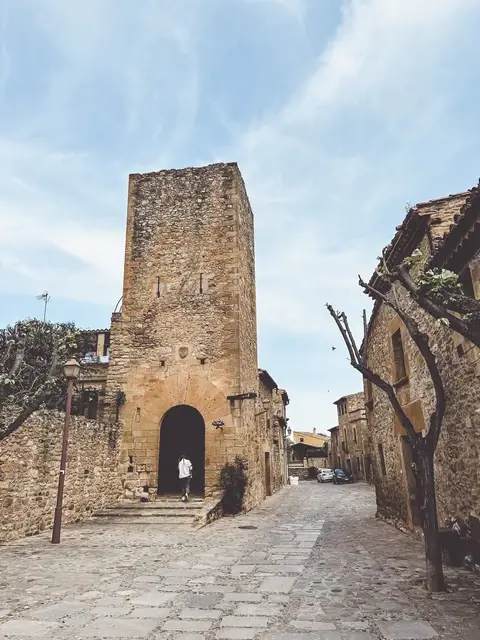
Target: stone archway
<point x="182" y="431"/>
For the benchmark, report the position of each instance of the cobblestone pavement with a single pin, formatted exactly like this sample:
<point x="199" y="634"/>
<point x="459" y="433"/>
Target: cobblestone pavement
<point x="311" y="563"/>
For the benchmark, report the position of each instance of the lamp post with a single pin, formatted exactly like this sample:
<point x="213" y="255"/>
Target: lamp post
<point x="71" y="369"/>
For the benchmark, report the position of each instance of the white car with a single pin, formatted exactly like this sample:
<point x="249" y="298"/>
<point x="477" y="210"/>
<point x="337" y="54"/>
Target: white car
<point x="325" y="475"/>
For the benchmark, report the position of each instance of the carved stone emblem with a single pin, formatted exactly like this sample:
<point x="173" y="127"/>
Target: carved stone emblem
<point x="183" y="352"/>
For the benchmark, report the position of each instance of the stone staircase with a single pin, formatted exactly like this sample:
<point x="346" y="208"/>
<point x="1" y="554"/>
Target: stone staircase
<point x="164" y="512"/>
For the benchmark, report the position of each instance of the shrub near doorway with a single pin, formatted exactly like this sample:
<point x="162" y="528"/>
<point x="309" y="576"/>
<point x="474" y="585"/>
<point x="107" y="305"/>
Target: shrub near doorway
<point x="233" y="480"/>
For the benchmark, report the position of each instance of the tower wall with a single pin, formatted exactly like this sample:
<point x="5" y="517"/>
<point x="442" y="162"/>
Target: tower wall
<point x="187" y="330"/>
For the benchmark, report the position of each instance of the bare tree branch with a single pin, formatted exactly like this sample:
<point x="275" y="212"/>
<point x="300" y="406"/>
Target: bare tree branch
<point x="472" y="333"/>
<point x="349" y="334"/>
<point x="351" y="350"/>
<point x="360" y="366"/>
<point x="422" y="343"/>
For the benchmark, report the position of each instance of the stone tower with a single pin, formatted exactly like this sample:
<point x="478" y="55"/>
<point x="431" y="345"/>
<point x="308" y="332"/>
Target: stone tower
<point x="184" y="346"/>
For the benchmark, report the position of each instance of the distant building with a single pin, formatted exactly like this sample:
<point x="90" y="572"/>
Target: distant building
<point x="334" y="459"/>
<point x="308" y="445"/>
<point x="351" y="449"/>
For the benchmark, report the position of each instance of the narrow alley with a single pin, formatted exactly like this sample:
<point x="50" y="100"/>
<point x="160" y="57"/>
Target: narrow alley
<point x="311" y="563"/>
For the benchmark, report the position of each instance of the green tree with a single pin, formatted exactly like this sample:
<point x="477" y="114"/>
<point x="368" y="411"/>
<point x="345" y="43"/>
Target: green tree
<point x="32" y="353"/>
<point x="437" y="291"/>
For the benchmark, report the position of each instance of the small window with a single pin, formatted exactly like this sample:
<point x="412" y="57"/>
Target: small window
<point x="302" y="439"/>
<point x="382" y="459"/>
<point x="354" y="434"/>
<point x="398" y="356"/>
<point x="460" y="350"/>
<point x="162" y="363"/>
<point x="203" y="360"/>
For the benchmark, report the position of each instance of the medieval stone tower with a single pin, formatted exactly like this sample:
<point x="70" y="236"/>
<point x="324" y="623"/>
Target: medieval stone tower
<point x="184" y="347"/>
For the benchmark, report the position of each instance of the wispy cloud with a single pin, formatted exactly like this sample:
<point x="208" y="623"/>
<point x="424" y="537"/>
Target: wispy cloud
<point x="365" y="133"/>
<point x="333" y="132"/>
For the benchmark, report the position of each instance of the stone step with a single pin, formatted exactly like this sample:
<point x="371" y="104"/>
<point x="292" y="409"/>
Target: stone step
<point x="157" y="505"/>
<point x="125" y="512"/>
<point x="165" y="521"/>
<point x="160" y="513"/>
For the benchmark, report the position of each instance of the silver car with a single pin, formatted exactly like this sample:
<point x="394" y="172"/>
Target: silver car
<point x="325" y="475"/>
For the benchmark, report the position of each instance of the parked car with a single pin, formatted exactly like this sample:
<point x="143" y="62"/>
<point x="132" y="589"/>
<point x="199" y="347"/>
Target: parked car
<point x="341" y="477"/>
<point x="325" y="475"/>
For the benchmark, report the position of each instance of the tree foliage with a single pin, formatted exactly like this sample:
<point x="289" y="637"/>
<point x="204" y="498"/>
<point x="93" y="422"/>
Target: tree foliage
<point x="32" y="353"/>
<point x="437" y="291"/>
<point x="233" y="480"/>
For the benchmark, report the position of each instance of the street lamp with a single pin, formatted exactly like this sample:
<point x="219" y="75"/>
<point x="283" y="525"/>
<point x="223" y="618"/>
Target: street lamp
<point x="71" y="369"/>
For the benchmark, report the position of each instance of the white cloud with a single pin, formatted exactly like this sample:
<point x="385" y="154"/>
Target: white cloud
<point x="323" y="189"/>
<point x="327" y="174"/>
<point x="57" y="191"/>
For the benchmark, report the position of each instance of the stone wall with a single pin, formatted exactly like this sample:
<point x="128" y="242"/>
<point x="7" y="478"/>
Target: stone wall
<point x="457" y="457"/>
<point x="299" y="472"/>
<point x="271" y="435"/>
<point x="29" y="465"/>
<point x="186" y="334"/>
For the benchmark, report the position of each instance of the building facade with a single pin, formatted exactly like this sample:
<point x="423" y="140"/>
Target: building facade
<point x="305" y="445"/>
<point x="271" y="425"/>
<point x="447" y="232"/>
<point x="351" y="450"/>
<point x="182" y="374"/>
<point x="334" y="459"/>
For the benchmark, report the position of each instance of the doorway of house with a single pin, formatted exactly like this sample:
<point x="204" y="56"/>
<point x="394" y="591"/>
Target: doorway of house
<point x="268" y="475"/>
<point x="410" y="481"/>
<point x="182" y="431"/>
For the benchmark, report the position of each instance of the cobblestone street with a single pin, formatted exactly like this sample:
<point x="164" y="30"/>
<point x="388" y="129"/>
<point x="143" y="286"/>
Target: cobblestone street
<point x="311" y="563"/>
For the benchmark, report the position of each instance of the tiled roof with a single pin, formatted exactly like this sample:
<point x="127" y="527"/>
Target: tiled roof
<point x="465" y="224"/>
<point x="439" y="219"/>
<point x="434" y="217"/>
<point x="267" y="379"/>
<point x="311" y="434"/>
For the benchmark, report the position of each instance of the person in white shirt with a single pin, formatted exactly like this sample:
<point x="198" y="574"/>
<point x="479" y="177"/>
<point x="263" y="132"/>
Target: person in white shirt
<point x="185" y="469"/>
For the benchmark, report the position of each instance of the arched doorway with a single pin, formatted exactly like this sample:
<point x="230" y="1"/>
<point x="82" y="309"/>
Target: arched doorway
<point x="182" y="431"/>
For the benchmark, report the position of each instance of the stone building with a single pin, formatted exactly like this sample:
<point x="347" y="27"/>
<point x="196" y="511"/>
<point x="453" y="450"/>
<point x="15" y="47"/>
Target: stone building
<point x="447" y="231"/>
<point x="334" y="459"/>
<point x="305" y="442"/>
<point x="91" y="385"/>
<point x="272" y="422"/>
<point x="182" y="373"/>
<point x="351" y="449"/>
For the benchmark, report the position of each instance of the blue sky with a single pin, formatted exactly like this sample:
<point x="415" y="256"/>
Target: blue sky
<point x="338" y="113"/>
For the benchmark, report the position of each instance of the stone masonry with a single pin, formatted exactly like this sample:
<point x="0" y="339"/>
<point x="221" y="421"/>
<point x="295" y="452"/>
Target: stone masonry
<point x="392" y="354"/>
<point x="313" y="563"/>
<point x="29" y="465"/>
<point x="186" y="334"/>
<point x="352" y="448"/>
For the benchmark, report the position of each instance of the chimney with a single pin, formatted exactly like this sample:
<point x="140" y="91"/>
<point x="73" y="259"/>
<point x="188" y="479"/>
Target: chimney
<point x="314" y="431"/>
